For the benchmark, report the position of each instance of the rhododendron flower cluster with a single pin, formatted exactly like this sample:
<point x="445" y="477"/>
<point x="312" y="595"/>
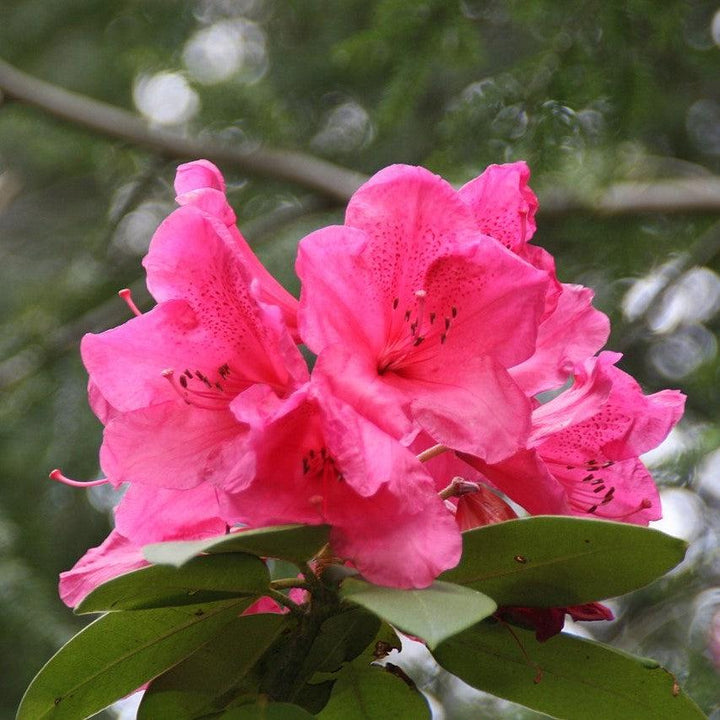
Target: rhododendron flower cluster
<point x="436" y="327"/>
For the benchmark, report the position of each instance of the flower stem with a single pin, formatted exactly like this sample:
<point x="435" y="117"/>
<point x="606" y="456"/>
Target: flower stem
<point x="285" y="601"/>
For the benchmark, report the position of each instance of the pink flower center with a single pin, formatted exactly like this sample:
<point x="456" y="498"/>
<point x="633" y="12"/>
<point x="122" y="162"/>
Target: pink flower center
<point x="415" y="333"/>
<point x="208" y="393"/>
<point x="319" y="466"/>
<point x="591" y="492"/>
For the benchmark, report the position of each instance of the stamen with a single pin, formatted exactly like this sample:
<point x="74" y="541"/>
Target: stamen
<point x="194" y="397"/>
<point x="56" y="474"/>
<point x="432" y="452"/>
<point x="126" y="295"/>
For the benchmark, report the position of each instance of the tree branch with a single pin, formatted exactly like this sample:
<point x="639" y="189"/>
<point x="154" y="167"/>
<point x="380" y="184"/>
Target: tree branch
<point x="679" y="195"/>
<point x="335" y="183"/>
<point x="323" y="177"/>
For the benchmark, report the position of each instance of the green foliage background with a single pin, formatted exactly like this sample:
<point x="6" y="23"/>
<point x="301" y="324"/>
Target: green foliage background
<point x="589" y="94"/>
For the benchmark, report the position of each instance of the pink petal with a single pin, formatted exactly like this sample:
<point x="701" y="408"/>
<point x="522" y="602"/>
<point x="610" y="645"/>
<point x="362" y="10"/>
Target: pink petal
<point x="525" y="479"/>
<point x="573" y="332"/>
<point x="198" y="175"/>
<point x="502" y="203"/>
<point x="116" y="555"/>
<point x="352" y="376"/>
<point x="201" y="185"/>
<point x="148" y="514"/>
<point x="583" y="400"/>
<point x="473" y="408"/>
<point x="174" y="445"/>
<point x="626" y="425"/>
<point x="336" y="302"/>
<point x="400" y="537"/>
<point x="410" y="217"/>
<point x="623" y="491"/>
<point x="194" y="258"/>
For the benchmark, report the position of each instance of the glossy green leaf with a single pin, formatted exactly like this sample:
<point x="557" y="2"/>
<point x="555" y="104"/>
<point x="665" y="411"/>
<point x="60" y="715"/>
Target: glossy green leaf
<point x="202" y="579"/>
<point x="341" y="639"/>
<point x="209" y="679"/>
<point x="559" y="561"/>
<point x="266" y="711"/>
<point x="297" y="543"/>
<point x="118" y="653"/>
<point x="366" y="692"/>
<point x="566" y="677"/>
<point x="433" y="613"/>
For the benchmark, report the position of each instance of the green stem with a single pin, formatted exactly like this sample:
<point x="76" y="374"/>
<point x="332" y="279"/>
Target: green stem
<point x="286" y="672"/>
<point x="287" y="583"/>
<point x="285" y="601"/>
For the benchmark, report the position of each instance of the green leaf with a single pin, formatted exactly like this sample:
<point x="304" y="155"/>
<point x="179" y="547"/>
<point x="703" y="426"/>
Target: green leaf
<point x="566" y="677"/>
<point x="118" y="653"/>
<point x="559" y="561"/>
<point x="366" y="692"/>
<point x="266" y="711"/>
<point x="209" y="679"/>
<point x="433" y="613"/>
<point x="341" y="638"/>
<point x="297" y="543"/>
<point x="202" y="579"/>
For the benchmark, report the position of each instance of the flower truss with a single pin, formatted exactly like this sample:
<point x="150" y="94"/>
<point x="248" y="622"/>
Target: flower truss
<point x="435" y="325"/>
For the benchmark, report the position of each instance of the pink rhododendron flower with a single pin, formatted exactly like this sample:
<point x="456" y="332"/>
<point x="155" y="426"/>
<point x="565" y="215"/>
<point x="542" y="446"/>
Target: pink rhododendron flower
<point x="174" y="373"/>
<point x="436" y="322"/>
<point x="319" y="461"/>
<point x="416" y="315"/>
<point x="583" y="453"/>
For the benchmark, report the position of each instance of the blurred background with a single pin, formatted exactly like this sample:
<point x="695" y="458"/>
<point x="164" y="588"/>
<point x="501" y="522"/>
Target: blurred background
<point x="615" y="105"/>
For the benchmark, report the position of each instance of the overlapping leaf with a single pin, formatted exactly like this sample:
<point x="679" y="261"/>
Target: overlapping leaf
<point x="202" y="579"/>
<point x="432" y="613"/>
<point x="566" y="677"/>
<point x="297" y="543"/>
<point x="560" y="561"/>
<point x="209" y="679"/>
<point x="117" y="654"/>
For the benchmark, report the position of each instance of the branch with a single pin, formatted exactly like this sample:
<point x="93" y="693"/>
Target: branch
<point x="325" y="178"/>
<point x="333" y="182"/>
<point x="680" y="195"/>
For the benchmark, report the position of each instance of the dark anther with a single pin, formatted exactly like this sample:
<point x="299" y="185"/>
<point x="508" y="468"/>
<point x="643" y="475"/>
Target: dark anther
<point x="587" y="478"/>
<point x="453" y="311"/>
<point x="592" y="509"/>
<point x="599" y="488"/>
<point x="447" y="323"/>
<point x="183" y="381"/>
<point x="407" y="315"/>
<point x="396" y="302"/>
<point x="189" y="374"/>
<point x="443" y="338"/>
<point x="418" y="341"/>
<point x="432" y="318"/>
